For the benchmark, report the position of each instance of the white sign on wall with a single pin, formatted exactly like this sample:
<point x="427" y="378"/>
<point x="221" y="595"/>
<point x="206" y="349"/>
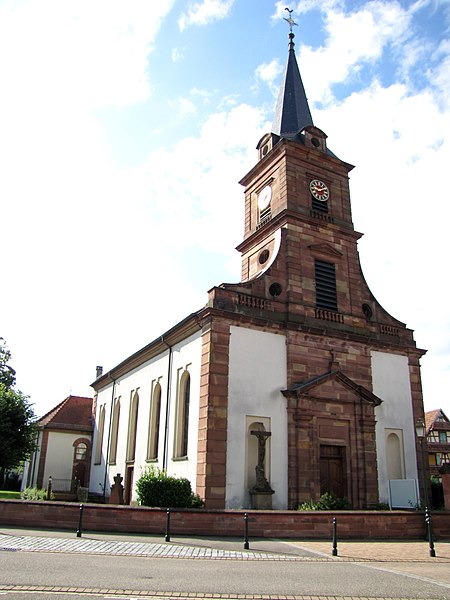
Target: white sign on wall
<point x="403" y="493"/>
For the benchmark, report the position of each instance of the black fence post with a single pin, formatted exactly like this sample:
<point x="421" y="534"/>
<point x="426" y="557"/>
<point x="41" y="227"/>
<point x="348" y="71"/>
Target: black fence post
<point x="167" y="538"/>
<point x="80" y="521"/>
<point x="334" y="551"/>
<point x="246" y="544"/>
<point x="430" y="532"/>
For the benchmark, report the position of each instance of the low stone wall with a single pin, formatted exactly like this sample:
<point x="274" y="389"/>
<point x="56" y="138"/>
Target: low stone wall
<point x="223" y="523"/>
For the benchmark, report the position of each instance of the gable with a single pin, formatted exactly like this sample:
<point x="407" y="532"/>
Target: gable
<point x="75" y="412"/>
<point x="334" y="386"/>
<point x="326" y="249"/>
<point x="433" y="417"/>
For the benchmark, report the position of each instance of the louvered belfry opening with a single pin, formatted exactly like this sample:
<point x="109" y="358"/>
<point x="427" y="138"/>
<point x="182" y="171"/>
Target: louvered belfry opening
<point x="319" y="205"/>
<point x="326" y="296"/>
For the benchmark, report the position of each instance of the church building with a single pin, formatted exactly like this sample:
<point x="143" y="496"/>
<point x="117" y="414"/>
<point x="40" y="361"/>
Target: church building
<point x="289" y="384"/>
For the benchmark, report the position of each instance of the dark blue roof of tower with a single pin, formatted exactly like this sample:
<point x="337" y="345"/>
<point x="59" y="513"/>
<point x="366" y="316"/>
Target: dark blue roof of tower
<point x="292" y="113"/>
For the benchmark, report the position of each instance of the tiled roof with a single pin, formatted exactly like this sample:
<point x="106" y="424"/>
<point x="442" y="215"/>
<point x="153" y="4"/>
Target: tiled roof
<point x="431" y="416"/>
<point x="73" y="412"/>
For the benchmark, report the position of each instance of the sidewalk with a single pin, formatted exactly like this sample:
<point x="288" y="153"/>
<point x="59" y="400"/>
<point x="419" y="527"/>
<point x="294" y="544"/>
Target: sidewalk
<point x="410" y="559"/>
<point x="51" y="540"/>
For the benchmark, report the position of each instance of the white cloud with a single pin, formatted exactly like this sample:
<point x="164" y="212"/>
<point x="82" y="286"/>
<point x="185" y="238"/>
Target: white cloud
<point x="177" y="55"/>
<point x="182" y="107"/>
<point x="106" y="256"/>
<point x="205" y="95"/>
<point x="202" y="13"/>
<point x="57" y="46"/>
<point x="268" y="73"/>
<point x="354" y="40"/>
<point x="179" y="182"/>
<point x="439" y="75"/>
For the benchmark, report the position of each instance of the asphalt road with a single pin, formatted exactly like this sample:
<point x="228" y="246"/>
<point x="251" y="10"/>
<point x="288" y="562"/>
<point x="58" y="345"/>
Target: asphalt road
<point x="116" y="576"/>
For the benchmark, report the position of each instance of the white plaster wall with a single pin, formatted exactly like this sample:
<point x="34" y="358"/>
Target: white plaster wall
<point x="186" y="356"/>
<point x="31" y="466"/>
<point x="143" y="378"/>
<point x="59" y="457"/>
<point x="257" y="373"/>
<point x="97" y="475"/>
<point x="391" y="383"/>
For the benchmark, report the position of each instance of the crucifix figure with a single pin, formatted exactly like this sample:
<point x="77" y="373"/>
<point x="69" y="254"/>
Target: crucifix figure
<point x="261" y="485"/>
<point x="290" y="20"/>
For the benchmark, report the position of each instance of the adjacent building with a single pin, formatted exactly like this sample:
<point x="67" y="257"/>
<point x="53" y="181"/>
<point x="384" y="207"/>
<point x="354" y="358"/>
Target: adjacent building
<point x="63" y="447"/>
<point x="438" y="440"/>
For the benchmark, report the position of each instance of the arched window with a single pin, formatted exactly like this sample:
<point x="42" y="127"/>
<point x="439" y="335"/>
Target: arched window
<point x="132" y="427"/>
<point x="100" y="431"/>
<point x="394" y="456"/>
<point x="114" y="432"/>
<point x="154" y="421"/>
<point x="80" y="468"/>
<point x="182" y="417"/>
<point x="81" y="451"/>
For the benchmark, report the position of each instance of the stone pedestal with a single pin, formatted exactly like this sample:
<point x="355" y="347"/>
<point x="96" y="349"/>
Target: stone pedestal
<point x="116" y="496"/>
<point x="445" y="474"/>
<point x="82" y="494"/>
<point x="261" y="500"/>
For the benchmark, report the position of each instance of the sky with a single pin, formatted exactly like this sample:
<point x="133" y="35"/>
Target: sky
<point x="126" y="126"/>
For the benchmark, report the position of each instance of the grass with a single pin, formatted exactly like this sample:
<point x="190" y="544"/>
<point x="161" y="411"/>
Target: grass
<point x="9" y="495"/>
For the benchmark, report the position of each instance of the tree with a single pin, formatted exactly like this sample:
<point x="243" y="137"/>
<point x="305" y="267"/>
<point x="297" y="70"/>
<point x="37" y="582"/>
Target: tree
<point x="17" y="418"/>
<point x="7" y="373"/>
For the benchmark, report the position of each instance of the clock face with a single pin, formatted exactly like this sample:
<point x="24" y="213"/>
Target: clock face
<point x="264" y="197"/>
<point x="319" y="190"/>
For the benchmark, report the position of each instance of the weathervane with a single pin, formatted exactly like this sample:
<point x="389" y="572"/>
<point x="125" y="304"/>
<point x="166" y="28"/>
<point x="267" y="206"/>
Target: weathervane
<point x="290" y="20"/>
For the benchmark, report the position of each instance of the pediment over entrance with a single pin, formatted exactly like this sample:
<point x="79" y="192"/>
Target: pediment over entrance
<point x="332" y="385"/>
<point x="325" y="249"/>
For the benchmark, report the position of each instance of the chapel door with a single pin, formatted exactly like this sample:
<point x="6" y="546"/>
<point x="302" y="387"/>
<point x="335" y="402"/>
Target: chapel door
<point x="332" y="471"/>
<point x="79" y="474"/>
<point x="129" y="484"/>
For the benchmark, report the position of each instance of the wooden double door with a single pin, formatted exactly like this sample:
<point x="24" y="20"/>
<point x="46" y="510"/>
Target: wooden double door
<point x="333" y="470"/>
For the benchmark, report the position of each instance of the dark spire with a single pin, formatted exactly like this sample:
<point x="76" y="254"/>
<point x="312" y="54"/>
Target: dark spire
<point x="292" y="113"/>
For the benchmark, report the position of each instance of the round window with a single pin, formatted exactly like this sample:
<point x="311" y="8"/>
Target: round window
<point x="275" y="289"/>
<point x="264" y="256"/>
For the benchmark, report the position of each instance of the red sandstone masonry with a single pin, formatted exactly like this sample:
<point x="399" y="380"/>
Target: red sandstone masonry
<point x="365" y="525"/>
<point x="212" y="436"/>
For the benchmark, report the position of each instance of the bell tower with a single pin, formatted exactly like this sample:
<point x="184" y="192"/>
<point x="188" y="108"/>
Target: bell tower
<point x="299" y="252"/>
<point x="301" y="279"/>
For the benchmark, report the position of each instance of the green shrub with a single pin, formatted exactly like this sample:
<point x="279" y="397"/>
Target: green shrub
<point x="35" y="494"/>
<point x="380" y="506"/>
<point x="327" y="501"/>
<point x="156" y="488"/>
<point x="196" y="501"/>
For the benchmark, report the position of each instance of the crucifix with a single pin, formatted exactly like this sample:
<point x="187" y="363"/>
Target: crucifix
<point x="261" y="482"/>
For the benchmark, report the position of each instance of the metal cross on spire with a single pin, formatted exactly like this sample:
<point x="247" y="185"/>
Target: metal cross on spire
<point x="290" y="20"/>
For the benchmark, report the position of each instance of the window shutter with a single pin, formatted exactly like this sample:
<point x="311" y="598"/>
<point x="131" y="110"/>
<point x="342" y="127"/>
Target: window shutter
<point x="326" y="296"/>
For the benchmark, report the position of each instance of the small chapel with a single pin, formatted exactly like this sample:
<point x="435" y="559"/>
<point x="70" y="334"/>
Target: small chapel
<point x="288" y="384"/>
